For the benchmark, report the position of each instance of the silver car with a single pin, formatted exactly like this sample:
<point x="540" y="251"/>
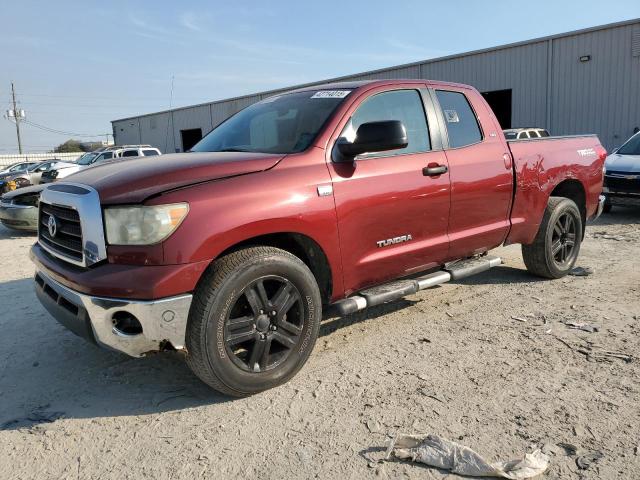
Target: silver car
<point x="19" y="208"/>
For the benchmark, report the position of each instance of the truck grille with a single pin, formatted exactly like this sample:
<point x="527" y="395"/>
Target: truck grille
<point x="621" y="184"/>
<point x="65" y="235"/>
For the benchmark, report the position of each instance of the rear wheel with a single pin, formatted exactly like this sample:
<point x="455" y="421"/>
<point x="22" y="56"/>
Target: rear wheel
<point x="607" y="207"/>
<point x="555" y="249"/>
<point x="254" y="321"/>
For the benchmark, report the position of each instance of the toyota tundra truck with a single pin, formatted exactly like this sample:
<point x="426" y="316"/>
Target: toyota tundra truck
<point x="335" y="198"/>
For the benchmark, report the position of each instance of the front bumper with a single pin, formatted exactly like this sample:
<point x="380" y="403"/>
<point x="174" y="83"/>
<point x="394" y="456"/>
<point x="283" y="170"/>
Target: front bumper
<point x="20" y="217"/>
<point x="601" y="201"/>
<point x="163" y="321"/>
<point x="614" y="197"/>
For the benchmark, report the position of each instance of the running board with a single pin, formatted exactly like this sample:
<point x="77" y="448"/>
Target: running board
<point x="395" y="290"/>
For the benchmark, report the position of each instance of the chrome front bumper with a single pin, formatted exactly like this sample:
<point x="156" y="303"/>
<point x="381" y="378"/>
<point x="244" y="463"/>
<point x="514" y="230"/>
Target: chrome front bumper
<point x="163" y="321"/>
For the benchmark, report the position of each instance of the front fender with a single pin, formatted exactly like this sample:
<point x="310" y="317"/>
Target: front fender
<point x="227" y="212"/>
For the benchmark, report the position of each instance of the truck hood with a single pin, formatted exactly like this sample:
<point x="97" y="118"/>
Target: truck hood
<point x="623" y="163"/>
<point x="132" y="180"/>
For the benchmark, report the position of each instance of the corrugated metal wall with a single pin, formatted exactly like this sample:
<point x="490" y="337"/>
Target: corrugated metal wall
<point x="601" y="95"/>
<point x="550" y="86"/>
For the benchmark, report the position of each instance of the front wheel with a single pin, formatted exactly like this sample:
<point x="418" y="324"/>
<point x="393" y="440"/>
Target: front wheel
<point x="254" y="321"/>
<point x="555" y="249"/>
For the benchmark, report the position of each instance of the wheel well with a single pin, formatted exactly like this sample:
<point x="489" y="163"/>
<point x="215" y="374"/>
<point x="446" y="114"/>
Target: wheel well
<point x="303" y="247"/>
<point x="573" y="190"/>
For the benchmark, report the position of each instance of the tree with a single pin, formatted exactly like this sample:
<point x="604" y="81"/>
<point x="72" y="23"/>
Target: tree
<point x="69" y="146"/>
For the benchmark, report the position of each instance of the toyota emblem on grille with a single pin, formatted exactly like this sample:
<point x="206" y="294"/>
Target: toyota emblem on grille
<point x="52" y="225"/>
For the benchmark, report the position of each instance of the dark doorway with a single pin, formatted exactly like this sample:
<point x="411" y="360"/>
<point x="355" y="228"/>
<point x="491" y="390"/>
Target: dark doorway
<point x="190" y="138"/>
<point x="500" y="103"/>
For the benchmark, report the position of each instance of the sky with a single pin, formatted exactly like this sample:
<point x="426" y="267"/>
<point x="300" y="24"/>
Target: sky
<point x="78" y="65"/>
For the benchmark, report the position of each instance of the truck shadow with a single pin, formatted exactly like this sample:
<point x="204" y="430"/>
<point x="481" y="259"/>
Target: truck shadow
<point x="619" y="216"/>
<point x="330" y="324"/>
<point x="499" y="276"/>
<point x="46" y="372"/>
<point x="7" y="234"/>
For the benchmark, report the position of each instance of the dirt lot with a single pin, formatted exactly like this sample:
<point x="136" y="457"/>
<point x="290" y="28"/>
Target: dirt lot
<point x="450" y="361"/>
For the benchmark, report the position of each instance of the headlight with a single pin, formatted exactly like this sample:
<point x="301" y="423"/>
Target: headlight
<point x="142" y="225"/>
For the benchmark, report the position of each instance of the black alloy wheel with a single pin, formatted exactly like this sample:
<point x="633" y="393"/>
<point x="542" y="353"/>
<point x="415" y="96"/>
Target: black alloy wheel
<point x="563" y="240"/>
<point x="265" y="324"/>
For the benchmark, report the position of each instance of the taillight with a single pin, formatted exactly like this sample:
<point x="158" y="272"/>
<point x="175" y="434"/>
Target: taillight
<point x="602" y="154"/>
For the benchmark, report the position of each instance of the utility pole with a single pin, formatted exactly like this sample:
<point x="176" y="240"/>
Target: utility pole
<point x="17" y="115"/>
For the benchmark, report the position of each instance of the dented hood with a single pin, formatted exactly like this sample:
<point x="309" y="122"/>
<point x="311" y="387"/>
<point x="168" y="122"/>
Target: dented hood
<point x="136" y="179"/>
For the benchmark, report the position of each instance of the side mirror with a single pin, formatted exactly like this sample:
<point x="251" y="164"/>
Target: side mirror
<point x="373" y="137"/>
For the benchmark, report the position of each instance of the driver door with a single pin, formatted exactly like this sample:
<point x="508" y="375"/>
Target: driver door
<point x="392" y="217"/>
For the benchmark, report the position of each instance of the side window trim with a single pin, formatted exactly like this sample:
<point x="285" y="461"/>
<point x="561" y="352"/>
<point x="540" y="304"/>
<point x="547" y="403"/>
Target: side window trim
<point x="391" y="154"/>
<point x="445" y="131"/>
<point x="442" y="126"/>
<point x="436" y="134"/>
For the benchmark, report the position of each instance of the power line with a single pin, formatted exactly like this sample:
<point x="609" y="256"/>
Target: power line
<point x="62" y="132"/>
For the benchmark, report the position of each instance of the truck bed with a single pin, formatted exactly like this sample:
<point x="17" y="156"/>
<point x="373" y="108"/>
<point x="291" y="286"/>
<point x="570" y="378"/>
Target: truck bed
<point x="541" y="164"/>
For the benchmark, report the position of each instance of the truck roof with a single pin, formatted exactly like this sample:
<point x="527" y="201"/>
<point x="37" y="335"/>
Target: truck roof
<point x="361" y="83"/>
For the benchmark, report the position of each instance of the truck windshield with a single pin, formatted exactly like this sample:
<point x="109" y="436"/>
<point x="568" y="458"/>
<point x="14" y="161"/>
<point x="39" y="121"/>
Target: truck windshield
<point x="284" y="124"/>
<point x="632" y="147"/>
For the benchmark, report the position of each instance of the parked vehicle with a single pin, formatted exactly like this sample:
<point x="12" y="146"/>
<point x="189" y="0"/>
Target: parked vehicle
<point x="524" y="133"/>
<point x="30" y="176"/>
<point x="99" y="156"/>
<point x="16" y="167"/>
<point x="19" y="209"/>
<point x="341" y="196"/>
<point x="622" y="176"/>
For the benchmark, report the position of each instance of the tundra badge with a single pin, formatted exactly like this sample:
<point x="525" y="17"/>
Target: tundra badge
<point x="393" y="241"/>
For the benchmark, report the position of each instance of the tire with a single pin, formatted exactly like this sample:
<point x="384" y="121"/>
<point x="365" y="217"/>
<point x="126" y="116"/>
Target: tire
<point x="607" y="207"/>
<point x="227" y="336"/>
<point x="555" y="234"/>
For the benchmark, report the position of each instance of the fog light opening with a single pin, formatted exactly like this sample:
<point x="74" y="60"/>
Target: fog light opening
<point x="126" y="324"/>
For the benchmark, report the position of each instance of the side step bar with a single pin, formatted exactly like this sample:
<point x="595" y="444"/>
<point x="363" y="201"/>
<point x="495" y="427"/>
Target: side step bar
<point x="401" y="288"/>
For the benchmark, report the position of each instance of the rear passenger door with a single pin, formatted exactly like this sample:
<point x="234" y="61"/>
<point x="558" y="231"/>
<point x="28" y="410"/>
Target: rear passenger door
<point x="392" y="218"/>
<point x="480" y="170"/>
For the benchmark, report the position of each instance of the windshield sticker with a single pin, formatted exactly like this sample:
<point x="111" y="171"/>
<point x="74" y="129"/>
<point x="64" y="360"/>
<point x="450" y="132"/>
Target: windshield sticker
<point x="331" y="94"/>
<point x="451" y="116"/>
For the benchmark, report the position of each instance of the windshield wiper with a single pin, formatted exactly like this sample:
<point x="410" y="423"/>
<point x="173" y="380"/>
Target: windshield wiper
<point x="234" y="149"/>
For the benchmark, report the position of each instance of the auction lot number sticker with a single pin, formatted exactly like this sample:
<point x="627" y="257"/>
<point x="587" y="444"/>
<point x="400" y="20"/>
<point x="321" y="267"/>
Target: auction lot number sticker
<point x="331" y="94"/>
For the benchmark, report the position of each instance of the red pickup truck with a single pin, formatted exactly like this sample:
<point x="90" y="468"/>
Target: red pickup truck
<point x="338" y="196"/>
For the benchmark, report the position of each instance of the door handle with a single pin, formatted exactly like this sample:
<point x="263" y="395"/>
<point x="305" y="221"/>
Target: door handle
<point x="434" y="171"/>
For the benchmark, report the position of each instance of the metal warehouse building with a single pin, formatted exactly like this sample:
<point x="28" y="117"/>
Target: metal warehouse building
<point x="587" y="81"/>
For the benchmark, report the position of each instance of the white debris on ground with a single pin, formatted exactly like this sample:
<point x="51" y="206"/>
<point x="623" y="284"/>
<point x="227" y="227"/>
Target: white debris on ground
<point x="441" y="453"/>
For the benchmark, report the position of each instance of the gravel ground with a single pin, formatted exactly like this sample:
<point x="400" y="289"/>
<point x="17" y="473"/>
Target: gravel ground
<point x="452" y="361"/>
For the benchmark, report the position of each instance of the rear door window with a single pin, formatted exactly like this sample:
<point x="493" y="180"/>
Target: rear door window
<point x="131" y="153"/>
<point x="523" y="135"/>
<point x="104" y="156"/>
<point x="403" y="105"/>
<point x="533" y="134"/>
<point x="149" y="153"/>
<point x="460" y="119"/>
